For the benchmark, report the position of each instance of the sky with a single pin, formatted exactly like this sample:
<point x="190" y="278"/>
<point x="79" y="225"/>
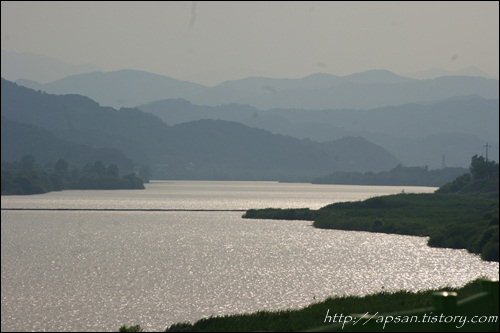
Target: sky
<point x="209" y="42"/>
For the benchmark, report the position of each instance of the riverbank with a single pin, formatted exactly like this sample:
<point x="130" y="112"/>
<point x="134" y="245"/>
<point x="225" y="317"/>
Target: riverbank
<point x="462" y="214"/>
<point x="313" y="316"/>
<point x="449" y="220"/>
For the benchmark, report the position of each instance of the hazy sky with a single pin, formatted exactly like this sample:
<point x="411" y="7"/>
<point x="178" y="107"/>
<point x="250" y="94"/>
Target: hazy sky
<point x="208" y="42"/>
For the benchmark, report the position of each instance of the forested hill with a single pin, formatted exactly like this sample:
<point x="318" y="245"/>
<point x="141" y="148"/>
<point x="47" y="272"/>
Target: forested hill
<point x="198" y="150"/>
<point x="22" y="139"/>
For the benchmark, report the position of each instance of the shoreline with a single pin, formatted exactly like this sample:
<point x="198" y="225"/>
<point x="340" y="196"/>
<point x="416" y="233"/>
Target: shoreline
<point x="313" y="316"/>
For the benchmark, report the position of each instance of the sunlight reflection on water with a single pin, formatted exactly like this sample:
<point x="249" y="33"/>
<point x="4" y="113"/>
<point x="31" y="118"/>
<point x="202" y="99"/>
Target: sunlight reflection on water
<point x="95" y="271"/>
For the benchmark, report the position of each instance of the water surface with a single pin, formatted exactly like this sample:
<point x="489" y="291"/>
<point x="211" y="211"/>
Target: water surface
<point x="93" y="271"/>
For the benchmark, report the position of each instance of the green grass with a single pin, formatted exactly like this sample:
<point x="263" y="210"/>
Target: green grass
<point x="313" y="316"/>
<point x="457" y="221"/>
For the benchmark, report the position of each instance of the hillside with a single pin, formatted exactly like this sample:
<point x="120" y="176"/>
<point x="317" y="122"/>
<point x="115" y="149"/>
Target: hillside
<point x="198" y="150"/>
<point x="417" y="134"/>
<point x="470" y="115"/>
<point x="21" y="139"/>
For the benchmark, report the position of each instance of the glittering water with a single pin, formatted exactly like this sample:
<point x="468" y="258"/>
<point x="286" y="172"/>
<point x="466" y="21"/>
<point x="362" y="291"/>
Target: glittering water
<point x="95" y="271"/>
<point x="209" y="195"/>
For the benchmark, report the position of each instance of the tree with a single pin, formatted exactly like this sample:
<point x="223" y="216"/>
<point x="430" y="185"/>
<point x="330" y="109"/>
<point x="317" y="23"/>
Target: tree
<point x="480" y="168"/>
<point x="27" y="162"/>
<point x="99" y="168"/>
<point x="112" y="171"/>
<point x="61" y="166"/>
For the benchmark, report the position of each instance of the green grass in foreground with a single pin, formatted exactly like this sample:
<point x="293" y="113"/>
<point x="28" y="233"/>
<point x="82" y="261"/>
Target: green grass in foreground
<point x="313" y="316"/>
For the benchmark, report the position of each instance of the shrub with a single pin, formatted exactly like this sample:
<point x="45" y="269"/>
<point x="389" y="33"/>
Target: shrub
<point x="135" y="328"/>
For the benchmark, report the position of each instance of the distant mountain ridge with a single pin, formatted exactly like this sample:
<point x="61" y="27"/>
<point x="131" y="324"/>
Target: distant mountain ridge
<point x="418" y="134"/>
<point x="361" y="92"/>
<point x="123" y="88"/>
<point x="38" y="68"/>
<point x="365" y="90"/>
<point x="310" y="82"/>
<point x="438" y="72"/>
<point x="204" y="149"/>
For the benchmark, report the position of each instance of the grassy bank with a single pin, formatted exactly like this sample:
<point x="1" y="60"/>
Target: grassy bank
<point x="462" y="214"/>
<point x="450" y="220"/>
<point x="313" y="316"/>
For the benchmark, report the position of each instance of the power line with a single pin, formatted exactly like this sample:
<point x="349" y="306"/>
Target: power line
<point x="487" y="146"/>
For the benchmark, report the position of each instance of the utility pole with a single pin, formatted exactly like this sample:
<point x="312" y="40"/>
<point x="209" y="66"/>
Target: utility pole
<point x="487" y="146"/>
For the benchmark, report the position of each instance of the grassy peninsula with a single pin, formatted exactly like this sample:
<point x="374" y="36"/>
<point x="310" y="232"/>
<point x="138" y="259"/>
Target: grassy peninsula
<point x="462" y="214"/>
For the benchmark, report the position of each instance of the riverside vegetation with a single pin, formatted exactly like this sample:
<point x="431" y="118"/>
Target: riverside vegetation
<point x="398" y="176"/>
<point x="26" y="177"/>
<point x="462" y="214"/>
<point x="313" y="316"/>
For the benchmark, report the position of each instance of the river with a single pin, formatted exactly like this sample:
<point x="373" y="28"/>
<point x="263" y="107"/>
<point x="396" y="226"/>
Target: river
<point x="82" y="270"/>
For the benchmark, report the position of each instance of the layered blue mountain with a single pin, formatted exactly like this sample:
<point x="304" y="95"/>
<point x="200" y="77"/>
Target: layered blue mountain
<point x="365" y="90"/>
<point x="20" y="139"/>
<point x="204" y="149"/>
<point x="124" y="88"/>
<point x="418" y="134"/>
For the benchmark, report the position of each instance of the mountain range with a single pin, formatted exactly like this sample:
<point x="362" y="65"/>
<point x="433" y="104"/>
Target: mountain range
<point x="438" y="72"/>
<point x="203" y="149"/>
<point x="431" y="121"/>
<point x="366" y="90"/>
<point x="418" y="133"/>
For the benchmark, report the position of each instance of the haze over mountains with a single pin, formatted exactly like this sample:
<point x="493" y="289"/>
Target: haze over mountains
<point x="204" y="149"/>
<point x="253" y="128"/>
<point x="125" y="88"/>
<point x="437" y="72"/>
<point x="371" y="89"/>
<point x="418" y="134"/>
<point x="38" y="68"/>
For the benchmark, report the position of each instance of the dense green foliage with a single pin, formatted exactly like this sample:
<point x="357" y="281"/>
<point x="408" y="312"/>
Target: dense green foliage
<point x="482" y="179"/>
<point x="313" y="315"/>
<point x="462" y="214"/>
<point x="409" y="176"/>
<point x="451" y="220"/>
<point x="26" y="177"/>
<point x="134" y="328"/>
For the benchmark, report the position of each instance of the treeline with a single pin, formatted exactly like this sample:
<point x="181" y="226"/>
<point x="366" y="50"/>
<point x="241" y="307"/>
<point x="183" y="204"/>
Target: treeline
<point x="27" y="177"/>
<point x="398" y="176"/>
<point x="463" y="214"/>
<point x="481" y="179"/>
